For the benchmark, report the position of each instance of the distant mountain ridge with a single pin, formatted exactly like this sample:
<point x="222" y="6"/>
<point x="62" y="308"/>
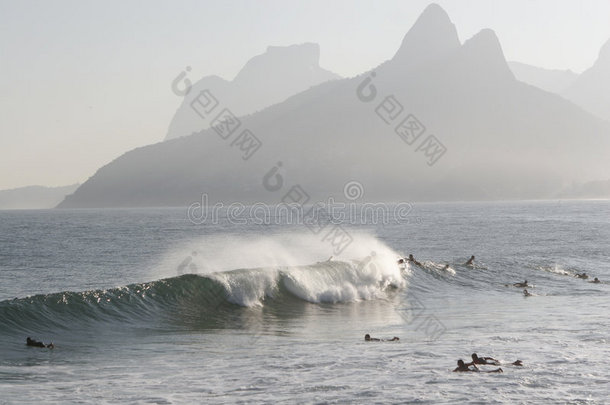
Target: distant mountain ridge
<point x="440" y="121"/>
<point x="34" y="197"/>
<point x="551" y="80"/>
<point x="591" y="190"/>
<point x="266" y="79"/>
<point x="591" y="89"/>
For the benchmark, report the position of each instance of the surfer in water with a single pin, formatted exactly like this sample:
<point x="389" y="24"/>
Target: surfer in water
<point x="521" y="285"/>
<point x="412" y="260"/>
<point x="463" y="367"/>
<point x="470" y="261"/>
<point x="482" y="360"/>
<point x="35" y="343"/>
<point x="527" y="293"/>
<point x="595" y="281"/>
<point x="489" y="361"/>
<point x="368" y="338"/>
<point x="584" y="276"/>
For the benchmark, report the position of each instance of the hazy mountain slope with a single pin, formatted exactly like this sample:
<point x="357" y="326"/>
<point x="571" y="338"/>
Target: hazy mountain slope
<point x="265" y="80"/>
<point x="503" y="138"/>
<point x="551" y="80"/>
<point x="593" y="190"/>
<point x="34" y="197"/>
<point x="592" y="88"/>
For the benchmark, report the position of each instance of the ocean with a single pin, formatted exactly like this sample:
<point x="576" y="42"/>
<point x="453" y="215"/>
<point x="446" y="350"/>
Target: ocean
<point x="150" y="306"/>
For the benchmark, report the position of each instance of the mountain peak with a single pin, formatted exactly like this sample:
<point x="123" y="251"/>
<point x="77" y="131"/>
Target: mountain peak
<point x="484" y="55"/>
<point x="485" y="39"/>
<point x="309" y="49"/>
<point x="433" y="36"/>
<point x="266" y="79"/>
<point x="281" y="58"/>
<point x="604" y="53"/>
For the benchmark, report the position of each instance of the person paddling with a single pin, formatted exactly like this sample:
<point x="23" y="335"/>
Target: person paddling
<point x="368" y="338"/>
<point x="34" y="343"/>
<point x="463" y="367"/>
<point x="412" y="260"/>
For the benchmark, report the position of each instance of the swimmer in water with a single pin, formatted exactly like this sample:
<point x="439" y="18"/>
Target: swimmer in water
<point x="521" y="285"/>
<point x="517" y="363"/>
<point x="368" y="338"/>
<point x="401" y="261"/>
<point x="470" y="261"/>
<point x="595" y="281"/>
<point x="527" y="293"/>
<point x="584" y="276"/>
<point x="412" y="260"/>
<point x="446" y="267"/>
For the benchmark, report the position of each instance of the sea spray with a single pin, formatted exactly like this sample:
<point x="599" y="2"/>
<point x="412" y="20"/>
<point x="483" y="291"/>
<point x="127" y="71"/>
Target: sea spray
<point x="363" y="271"/>
<point x="218" y="253"/>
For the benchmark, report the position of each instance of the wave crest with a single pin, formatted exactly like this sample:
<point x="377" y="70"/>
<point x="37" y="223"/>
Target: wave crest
<point x="205" y="297"/>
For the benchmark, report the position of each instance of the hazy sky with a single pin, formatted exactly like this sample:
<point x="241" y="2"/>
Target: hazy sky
<point x="81" y="82"/>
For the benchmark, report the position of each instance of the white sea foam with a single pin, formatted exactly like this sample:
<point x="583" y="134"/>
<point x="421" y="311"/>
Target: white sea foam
<point x="253" y="268"/>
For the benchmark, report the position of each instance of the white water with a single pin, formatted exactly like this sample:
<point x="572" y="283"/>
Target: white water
<point x="364" y="271"/>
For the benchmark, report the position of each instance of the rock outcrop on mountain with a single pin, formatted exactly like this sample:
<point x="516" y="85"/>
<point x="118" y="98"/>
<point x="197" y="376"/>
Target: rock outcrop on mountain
<point x="267" y="79"/>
